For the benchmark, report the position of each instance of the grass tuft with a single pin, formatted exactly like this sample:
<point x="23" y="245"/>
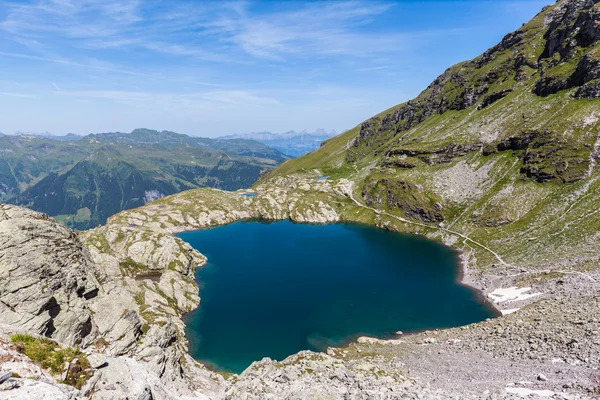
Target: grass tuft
<point x="50" y="356"/>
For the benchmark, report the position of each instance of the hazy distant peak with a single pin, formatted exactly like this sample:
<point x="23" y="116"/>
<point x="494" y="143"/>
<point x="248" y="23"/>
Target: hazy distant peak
<point x="49" y="135"/>
<point x="43" y="134"/>
<point x="285" y="135"/>
<point x="291" y="143"/>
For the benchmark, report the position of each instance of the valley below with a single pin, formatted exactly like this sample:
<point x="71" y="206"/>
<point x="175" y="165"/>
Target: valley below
<point x="82" y="180"/>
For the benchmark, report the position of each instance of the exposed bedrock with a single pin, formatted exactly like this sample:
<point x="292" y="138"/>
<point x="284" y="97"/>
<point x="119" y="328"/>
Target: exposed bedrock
<point x="46" y="277"/>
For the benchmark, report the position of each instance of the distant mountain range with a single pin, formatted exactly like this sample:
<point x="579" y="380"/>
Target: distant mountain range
<point x="65" y="138"/>
<point x="292" y="143"/>
<point x="84" y="180"/>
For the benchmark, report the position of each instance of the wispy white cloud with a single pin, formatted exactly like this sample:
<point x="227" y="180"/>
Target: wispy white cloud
<point x="314" y="30"/>
<point x="22" y="95"/>
<point x="107" y="67"/>
<point x="87" y="18"/>
<point x="55" y="86"/>
<point x="10" y="82"/>
<point x="209" y="31"/>
<point x="175" y="100"/>
<point x="380" y="67"/>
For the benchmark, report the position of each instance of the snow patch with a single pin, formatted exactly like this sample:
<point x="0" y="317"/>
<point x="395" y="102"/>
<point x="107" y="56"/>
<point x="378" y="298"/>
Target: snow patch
<point x="524" y="392"/>
<point x="371" y="340"/>
<point x="509" y="311"/>
<point x="511" y="294"/>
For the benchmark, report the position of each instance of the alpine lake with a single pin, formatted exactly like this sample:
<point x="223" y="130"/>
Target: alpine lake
<point x="272" y="289"/>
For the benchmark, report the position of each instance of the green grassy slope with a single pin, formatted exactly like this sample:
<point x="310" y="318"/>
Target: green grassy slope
<point x="503" y="148"/>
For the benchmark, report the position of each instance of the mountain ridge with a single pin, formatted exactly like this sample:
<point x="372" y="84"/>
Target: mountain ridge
<point x="84" y="181"/>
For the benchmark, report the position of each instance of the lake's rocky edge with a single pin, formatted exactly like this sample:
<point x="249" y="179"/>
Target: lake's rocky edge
<point x="120" y="292"/>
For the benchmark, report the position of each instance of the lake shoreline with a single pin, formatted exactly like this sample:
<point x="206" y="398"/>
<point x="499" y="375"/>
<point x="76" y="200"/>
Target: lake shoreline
<point x="458" y="271"/>
<point x="478" y="282"/>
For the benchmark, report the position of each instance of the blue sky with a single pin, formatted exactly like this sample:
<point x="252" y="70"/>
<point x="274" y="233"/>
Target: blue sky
<point x="211" y="68"/>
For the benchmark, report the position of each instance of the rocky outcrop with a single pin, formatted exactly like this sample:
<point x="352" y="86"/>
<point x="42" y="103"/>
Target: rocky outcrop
<point x="586" y="70"/>
<point x="589" y="91"/>
<point x="492" y="98"/>
<point x="443" y="155"/>
<point x="520" y="142"/>
<point x="122" y="295"/>
<point x="46" y="278"/>
<point x="320" y="376"/>
<point x="573" y="25"/>
<point x="23" y="379"/>
<point x="398" y="194"/>
<point x="148" y="280"/>
<point x="546" y="156"/>
<point x="400" y="162"/>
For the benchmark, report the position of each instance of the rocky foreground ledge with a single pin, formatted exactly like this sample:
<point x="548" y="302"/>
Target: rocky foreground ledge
<point x="119" y="292"/>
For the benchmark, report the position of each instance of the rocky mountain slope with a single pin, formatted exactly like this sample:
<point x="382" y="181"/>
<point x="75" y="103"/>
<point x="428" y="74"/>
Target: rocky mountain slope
<point x="292" y="143"/>
<point x="497" y="158"/>
<point x="503" y="148"/>
<point x="84" y="182"/>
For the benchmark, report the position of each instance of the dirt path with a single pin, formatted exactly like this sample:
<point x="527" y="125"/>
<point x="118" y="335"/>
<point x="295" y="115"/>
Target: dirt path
<point x="465" y="237"/>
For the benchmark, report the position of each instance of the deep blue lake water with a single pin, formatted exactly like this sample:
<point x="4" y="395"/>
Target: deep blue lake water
<point x="273" y="289"/>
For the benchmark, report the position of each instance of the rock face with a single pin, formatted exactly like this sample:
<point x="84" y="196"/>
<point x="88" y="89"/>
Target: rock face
<point x="403" y="195"/>
<point x="147" y="279"/>
<point x="125" y="303"/>
<point x="484" y="101"/>
<point x="590" y="90"/>
<point x="46" y="277"/>
<point x="573" y="25"/>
